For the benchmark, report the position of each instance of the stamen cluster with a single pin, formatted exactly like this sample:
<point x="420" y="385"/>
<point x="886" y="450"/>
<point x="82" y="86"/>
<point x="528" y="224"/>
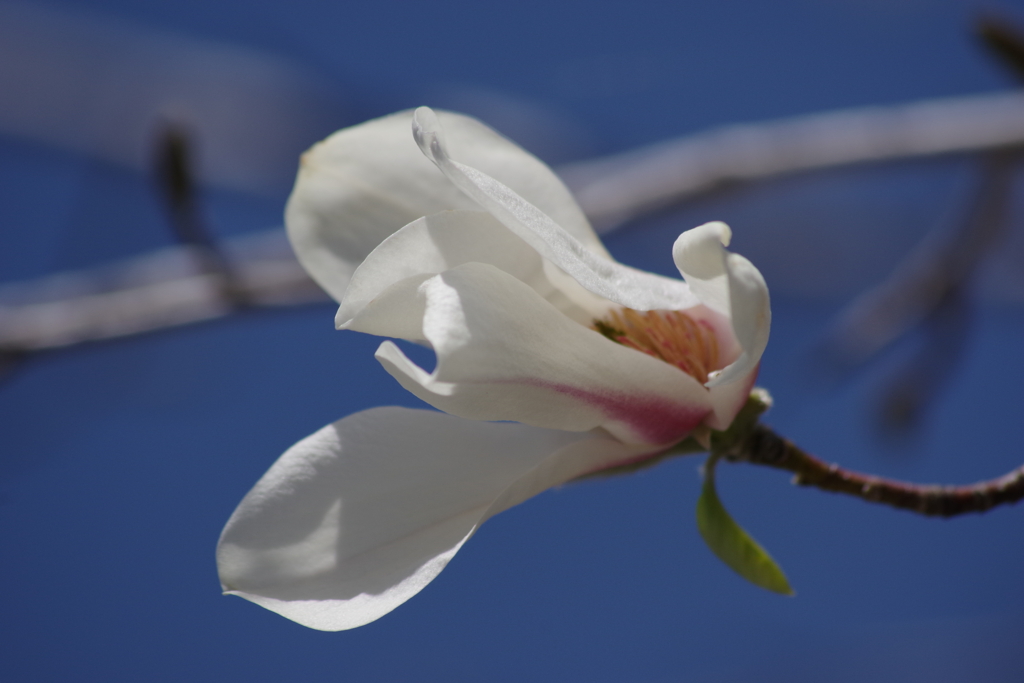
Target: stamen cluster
<point x="671" y="336"/>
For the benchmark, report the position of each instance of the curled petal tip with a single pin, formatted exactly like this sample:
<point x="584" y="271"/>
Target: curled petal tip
<point x="706" y="234"/>
<point x="700" y="256"/>
<point x="724" y="232"/>
<point x="720" y="229"/>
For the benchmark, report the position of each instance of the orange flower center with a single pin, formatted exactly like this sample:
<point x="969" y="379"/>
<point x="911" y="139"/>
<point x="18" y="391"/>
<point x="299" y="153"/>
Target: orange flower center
<point x="671" y="336"/>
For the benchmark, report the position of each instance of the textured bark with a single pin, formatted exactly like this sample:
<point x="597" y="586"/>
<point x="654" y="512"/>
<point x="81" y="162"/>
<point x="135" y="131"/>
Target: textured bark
<point x="762" y="446"/>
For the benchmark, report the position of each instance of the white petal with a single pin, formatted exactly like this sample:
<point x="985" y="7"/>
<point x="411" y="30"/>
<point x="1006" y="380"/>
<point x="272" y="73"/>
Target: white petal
<point x="731" y="285"/>
<point x="432" y="245"/>
<point x="357" y="518"/>
<point x="597" y="273"/>
<point x="363" y="183"/>
<point x="503" y="353"/>
<point x="728" y="398"/>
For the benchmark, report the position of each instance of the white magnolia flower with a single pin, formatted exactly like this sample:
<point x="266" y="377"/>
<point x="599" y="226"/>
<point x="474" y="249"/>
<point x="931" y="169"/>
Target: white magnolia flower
<point x="473" y="247"/>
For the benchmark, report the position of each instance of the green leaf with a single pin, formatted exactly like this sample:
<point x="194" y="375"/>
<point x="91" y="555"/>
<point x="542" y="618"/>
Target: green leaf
<point x="733" y="545"/>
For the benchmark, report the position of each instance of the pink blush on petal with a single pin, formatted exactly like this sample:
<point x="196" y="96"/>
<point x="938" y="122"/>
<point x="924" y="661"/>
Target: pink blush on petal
<point x="653" y="420"/>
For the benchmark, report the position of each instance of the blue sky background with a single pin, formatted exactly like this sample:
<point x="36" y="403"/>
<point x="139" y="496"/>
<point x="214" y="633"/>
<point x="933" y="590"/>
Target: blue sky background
<point x="120" y="462"/>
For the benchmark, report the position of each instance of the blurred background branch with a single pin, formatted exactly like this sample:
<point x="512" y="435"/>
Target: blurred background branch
<point x="929" y="291"/>
<point x="156" y="291"/>
<point x="625" y="186"/>
<point x="177" y="286"/>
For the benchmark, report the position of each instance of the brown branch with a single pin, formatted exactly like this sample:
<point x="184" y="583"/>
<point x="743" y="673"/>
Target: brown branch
<point x="747" y="440"/>
<point x="762" y="446"/>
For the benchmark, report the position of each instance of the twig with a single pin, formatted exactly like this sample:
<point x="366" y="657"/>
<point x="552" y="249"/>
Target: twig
<point x="747" y="440"/>
<point x="618" y="188"/>
<point x="765" y="447"/>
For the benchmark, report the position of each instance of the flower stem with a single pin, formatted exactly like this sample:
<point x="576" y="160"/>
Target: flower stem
<point x="762" y="446"/>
